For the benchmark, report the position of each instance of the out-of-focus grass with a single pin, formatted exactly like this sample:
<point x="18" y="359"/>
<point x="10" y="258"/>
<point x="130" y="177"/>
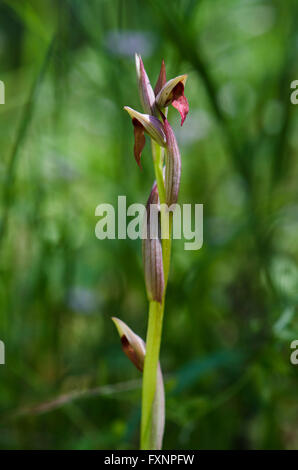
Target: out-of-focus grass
<point x="231" y="306"/>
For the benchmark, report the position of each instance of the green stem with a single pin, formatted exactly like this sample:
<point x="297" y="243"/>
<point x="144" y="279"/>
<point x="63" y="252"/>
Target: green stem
<point x="156" y="311"/>
<point x="153" y="340"/>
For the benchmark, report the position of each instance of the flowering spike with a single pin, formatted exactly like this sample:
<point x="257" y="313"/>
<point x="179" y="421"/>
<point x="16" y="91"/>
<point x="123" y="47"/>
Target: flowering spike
<point x="146" y="92"/>
<point x="152" y="251"/>
<point x="173" y="165"/>
<point x="161" y="78"/>
<point x="173" y="93"/>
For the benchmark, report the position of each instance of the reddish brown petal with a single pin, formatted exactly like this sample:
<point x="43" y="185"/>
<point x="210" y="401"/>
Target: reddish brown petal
<point x="161" y="78"/>
<point x="139" y="140"/>
<point x="179" y="101"/>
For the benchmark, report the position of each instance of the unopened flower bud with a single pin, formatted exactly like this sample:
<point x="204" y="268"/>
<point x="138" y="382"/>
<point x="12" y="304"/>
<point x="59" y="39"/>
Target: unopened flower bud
<point x="132" y="345"/>
<point x="173" y="166"/>
<point x="135" y="349"/>
<point x="152" y="250"/>
<point x="173" y="93"/>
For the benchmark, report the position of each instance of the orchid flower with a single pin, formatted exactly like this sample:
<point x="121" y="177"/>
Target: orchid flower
<point x="154" y="102"/>
<point x="172" y="93"/>
<point x="145" y="123"/>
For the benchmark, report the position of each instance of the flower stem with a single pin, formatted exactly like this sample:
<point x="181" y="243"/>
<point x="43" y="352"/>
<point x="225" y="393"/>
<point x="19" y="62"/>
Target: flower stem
<point x="153" y="340"/>
<point x="156" y="311"/>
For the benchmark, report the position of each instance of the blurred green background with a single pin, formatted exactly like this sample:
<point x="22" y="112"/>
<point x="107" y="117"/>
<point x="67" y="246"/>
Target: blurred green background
<point x="66" y="146"/>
